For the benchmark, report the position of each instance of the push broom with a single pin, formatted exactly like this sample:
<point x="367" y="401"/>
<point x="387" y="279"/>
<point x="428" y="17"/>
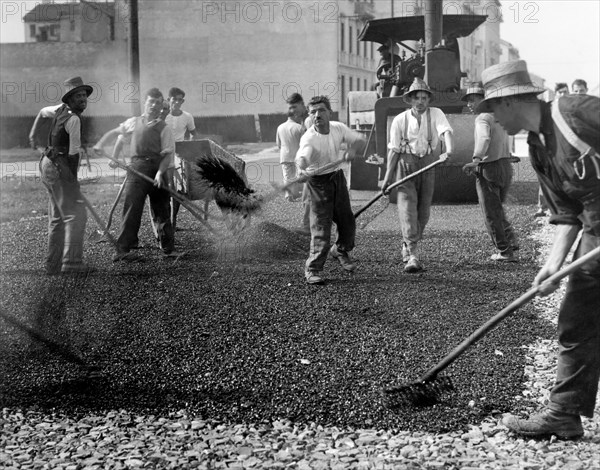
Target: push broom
<point x="427" y="390"/>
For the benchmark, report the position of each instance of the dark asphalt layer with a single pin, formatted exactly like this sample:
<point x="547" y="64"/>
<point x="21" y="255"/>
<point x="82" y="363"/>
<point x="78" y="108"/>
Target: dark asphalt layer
<point x="232" y="332"/>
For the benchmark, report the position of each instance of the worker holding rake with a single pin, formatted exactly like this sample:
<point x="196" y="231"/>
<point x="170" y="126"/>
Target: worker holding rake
<point x="564" y="147"/>
<point x="327" y="188"/>
<point x="414" y="138"/>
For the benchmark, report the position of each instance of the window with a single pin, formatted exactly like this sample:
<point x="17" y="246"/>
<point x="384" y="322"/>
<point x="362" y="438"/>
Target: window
<point x="365" y="83"/>
<point x="358" y="84"/>
<point x="342" y="36"/>
<point x="349" y="83"/>
<point x="32" y="30"/>
<point x="343" y="88"/>
<point x="350" y="31"/>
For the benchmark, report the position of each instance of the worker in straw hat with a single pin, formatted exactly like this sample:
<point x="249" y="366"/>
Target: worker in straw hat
<point x="59" y="165"/>
<point x="564" y="141"/>
<point x="415" y="135"/>
<point x="493" y="171"/>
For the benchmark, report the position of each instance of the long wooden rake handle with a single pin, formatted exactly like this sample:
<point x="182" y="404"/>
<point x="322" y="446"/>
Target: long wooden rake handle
<point x="55" y="347"/>
<point x="398" y="183"/>
<point x="99" y="222"/>
<point x="492" y="322"/>
<point x="195" y="211"/>
<point x="114" y="206"/>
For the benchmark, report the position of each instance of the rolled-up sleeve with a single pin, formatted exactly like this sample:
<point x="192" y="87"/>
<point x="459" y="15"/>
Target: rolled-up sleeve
<point x="482" y="138"/>
<point x="395" y="143"/>
<point x="441" y="122"/>
<point x="127" y="127"/>
<point x="73" y="128"/>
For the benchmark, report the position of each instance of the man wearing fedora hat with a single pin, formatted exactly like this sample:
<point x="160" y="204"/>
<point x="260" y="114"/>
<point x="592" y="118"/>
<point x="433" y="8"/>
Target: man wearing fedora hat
<point x="415" y="135"/>
<point x="59" y="164"/>
<point x="564" y="146"/>
<point x="492" y="168"/>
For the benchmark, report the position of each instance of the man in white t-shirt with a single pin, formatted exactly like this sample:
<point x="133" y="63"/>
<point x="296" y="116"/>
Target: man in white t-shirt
<point x="328" y="190"/>
<point x="415" y="135"/>
<point x="180" y="122"/>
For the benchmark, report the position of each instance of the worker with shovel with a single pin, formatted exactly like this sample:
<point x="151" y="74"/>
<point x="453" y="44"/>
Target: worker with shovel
<point x="59" y="164"/>
<point x="152" y="146"/>
<point x="327" y="188"/>
<point x="564" y="147"/>
<point x="414" y="138"/>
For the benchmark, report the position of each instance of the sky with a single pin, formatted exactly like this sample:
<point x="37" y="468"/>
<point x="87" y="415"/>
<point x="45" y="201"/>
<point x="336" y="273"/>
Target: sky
<point x="559" y="39"/>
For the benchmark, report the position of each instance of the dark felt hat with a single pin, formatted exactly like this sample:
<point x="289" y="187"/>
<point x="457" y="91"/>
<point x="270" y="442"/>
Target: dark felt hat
<point x="73" y="85"/>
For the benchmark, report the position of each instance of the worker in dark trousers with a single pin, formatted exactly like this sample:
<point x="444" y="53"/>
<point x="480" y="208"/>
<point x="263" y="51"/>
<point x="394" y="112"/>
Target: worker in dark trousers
<point x="329" y="199"/>
<point x="59" y="164"/>
<point x="564" y="147"/>
<point x="493" y="171"/>
<point x="152" y="148"/>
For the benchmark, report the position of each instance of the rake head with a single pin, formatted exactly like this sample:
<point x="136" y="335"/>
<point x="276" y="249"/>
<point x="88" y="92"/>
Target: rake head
<point x="418" y="394"/>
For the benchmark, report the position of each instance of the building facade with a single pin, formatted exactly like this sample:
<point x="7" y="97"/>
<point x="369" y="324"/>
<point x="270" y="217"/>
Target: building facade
<point x="232" y="57"/>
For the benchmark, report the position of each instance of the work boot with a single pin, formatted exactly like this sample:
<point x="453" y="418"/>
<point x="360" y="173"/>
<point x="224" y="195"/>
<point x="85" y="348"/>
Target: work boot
<point x="413" y="265"/>
<point x="313" y="278"/>
<point x="545" y="424"/>
<point x="344" y="259"/>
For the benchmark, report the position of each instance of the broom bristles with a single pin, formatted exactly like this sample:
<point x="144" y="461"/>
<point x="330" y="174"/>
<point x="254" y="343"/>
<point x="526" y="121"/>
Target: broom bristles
<point x="231" y="191"/>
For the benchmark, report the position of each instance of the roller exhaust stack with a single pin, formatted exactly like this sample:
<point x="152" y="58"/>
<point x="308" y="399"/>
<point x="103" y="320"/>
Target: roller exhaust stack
<point x="433" y="32"/>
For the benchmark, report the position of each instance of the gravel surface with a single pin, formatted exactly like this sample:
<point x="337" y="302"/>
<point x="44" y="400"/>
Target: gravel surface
<point x="224" y="358"/>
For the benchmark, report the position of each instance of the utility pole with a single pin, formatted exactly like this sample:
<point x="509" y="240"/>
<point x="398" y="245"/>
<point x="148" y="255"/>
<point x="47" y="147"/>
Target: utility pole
<point x="134" y="57"/>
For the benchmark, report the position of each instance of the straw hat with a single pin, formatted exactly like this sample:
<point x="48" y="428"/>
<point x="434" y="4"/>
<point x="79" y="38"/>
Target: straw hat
<point x="74" y="85"/>
<point x="475" y="88"/>
<point x="417" y="85"/>
<point x="506" y="79"/>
